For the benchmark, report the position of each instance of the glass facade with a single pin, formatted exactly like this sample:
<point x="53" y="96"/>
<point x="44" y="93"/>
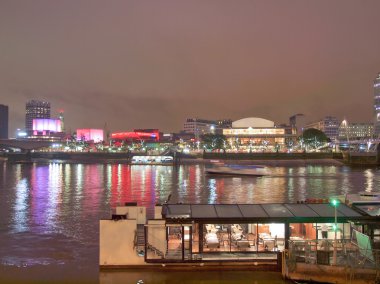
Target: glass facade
<point x="254" y="232"/>
<point x="255" y="241"/>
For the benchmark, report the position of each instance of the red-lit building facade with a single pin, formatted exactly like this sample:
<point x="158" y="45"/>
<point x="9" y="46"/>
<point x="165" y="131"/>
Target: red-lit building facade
<point x="137" y="135"/>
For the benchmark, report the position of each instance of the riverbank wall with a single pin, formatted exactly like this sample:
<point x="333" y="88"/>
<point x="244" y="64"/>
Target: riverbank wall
<point x="272" y="156"/>
<point x="269" y="159"/>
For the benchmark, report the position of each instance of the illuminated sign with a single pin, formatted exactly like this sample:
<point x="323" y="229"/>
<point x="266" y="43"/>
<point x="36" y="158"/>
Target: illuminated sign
<point x="89" y="134"/>
<point x="254" y="131"/>
<point x="44" y="124"/>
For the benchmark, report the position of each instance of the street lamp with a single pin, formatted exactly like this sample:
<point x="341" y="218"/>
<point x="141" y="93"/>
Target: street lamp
<point x="335" y="203"/>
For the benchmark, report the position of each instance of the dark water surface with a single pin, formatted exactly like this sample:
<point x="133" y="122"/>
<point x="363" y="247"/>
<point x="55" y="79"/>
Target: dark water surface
<point x="49" y="213"/>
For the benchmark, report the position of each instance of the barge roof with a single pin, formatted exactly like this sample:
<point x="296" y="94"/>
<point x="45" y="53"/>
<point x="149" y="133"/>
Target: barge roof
<point x="283" y="212"/>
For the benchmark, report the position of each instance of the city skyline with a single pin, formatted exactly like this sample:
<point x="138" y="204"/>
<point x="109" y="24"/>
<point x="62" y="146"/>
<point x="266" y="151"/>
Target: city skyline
<point x="152" y="65"/>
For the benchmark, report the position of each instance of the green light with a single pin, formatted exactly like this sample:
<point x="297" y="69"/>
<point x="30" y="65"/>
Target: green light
<point x="334" y="202"/>
<point x="335" y="227"/>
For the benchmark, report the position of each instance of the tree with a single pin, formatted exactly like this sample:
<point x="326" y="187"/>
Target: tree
<point x="313" y="138"/>
<point x="214" y="141"/>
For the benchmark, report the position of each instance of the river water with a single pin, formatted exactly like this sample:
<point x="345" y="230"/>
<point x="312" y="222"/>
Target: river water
<point x="49" y="213"/>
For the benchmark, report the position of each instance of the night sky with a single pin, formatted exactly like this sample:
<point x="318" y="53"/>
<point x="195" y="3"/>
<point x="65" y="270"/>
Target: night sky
<point x="152" y="64"/>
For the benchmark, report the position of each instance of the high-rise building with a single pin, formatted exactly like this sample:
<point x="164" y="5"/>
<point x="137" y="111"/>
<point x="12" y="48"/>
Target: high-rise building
<point x="329" y="125"/>
<point x="35" y="109"/>
<point x="297" y="123"/>
<point x="4" y="122"/>
<point x="376" y="93"/>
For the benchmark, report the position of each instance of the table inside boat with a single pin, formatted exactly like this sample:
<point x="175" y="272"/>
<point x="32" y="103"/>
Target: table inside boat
<point x="267" y="241"/>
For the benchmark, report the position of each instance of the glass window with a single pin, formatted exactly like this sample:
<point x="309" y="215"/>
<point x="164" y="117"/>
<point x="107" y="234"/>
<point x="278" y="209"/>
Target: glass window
<point x="326" y="230"/>
<point x="302" y="231"/>
<point x="271" y="237"/>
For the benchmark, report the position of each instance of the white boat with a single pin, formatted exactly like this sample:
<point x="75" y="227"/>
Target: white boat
<point x="236" y="170"/>
<point x="152" y="160"/>
<point x="368" y="202"/>
<point x="367" y="197"/>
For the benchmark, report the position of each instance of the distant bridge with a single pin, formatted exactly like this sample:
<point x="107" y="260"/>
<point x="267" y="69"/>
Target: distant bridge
<point x="25" y="144"/>
<point x="362" y="145"/>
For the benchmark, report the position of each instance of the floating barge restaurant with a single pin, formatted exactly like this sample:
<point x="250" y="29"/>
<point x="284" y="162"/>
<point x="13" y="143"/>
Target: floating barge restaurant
<point x="227" y="234"/>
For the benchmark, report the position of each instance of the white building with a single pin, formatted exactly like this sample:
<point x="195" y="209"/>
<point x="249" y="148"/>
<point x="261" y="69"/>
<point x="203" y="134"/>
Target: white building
<point x="199" y="127"/>
<point x="256" y="134"/>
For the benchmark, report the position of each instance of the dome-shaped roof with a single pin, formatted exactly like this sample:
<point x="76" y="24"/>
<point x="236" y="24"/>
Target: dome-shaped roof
<point x="252" y="122"/>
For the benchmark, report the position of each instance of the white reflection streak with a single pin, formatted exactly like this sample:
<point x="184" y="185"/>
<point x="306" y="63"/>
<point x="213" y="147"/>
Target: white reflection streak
<point x="109" y="177"/>
<point x="197" y="174"/>
<point x="79" y="178"/>
<point x="54" y="189"/>
<point x="302" y="185"/>
<point x="212" y="186"/>
<point x="21" y="220"/>
<point x="369" y="180"/>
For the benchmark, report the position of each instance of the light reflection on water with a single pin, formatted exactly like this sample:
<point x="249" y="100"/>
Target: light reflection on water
<point x="50" y="212"/>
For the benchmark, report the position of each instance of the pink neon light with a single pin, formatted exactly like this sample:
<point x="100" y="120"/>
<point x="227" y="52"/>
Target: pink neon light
<point x="44" y="124"/>
<point x="88" y="134"/>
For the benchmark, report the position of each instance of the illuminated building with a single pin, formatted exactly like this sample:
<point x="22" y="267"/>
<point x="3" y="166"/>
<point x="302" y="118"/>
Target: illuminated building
<point x="87" y="134"/>
<point x="355" y="131"/>
<point x="4" y="115"/>
<point x="35" y="109"/>
<point x="46" y="128"/>
<point x="328" y="125"/>
<point x="151" y="135"/>
<point x="376" y="87"/>
<point x="255" y="134"/>
<point x="200" y="127"/>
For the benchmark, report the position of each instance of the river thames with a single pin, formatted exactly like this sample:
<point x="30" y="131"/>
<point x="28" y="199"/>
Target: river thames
<point x="49" y="224"/>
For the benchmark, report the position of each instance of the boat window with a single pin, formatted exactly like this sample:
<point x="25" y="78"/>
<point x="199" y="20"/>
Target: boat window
<point x="302" y="231"/>
<point x="271" y="237"/>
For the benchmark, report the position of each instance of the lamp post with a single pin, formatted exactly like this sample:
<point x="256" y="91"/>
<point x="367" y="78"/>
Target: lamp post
<point x="335" y="203"/>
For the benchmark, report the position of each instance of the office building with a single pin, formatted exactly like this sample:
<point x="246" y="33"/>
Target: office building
<point x="376" y="87"/>
<point x="355" y="131"/>
<point x="199" y="127"/>
<point x="4" y="117"/>
<point x="297" y="123"/>
<point x="35" y="109"/>
<point x="328" y="125"/>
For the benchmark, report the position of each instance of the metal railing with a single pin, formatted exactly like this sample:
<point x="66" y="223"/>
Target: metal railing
<point x="347" y="254"/>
